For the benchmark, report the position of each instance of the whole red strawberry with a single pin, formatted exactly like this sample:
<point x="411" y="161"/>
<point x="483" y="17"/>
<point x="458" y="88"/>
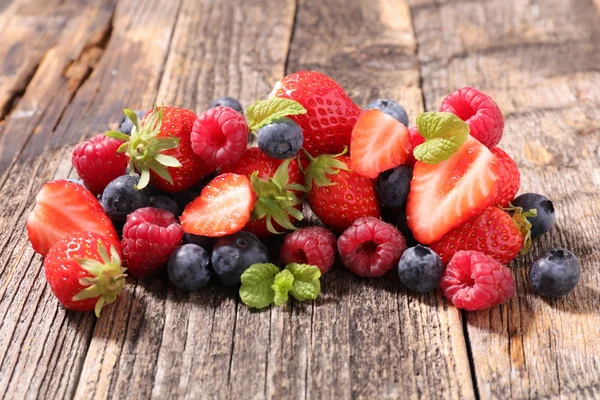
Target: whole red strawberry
<point x="160" y="149"/>
<point x="509" y="177"/>
<point x="337" y="195"/>
<point x="330" y="113"/>
<point x="98" y="163"/>
<point x="277" y="184"/>
<point x="150" y="236"/>
<point x="84" y="271"/>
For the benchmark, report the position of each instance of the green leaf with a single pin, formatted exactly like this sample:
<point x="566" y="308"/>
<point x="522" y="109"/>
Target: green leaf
<point x="306" y="281"/>
<point x="264" y="112"/>
<point x="167" y="161"/>
<point x="257" y="285"/>
<point x="164" y="143"/>
<point x="160" y="170"/>
<point x="282" y="285"/>
<point x="117" y="135"/>
<point x="144" y="178"/>
<point x="132" y="117"/>
<point x="444" y="133"/>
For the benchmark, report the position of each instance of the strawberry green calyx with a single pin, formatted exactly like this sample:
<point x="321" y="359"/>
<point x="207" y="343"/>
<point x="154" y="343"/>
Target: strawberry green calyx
<point x="276" y="199"/>
<point x="145" y="149"/>
<point x="264" y="112"/>
<point x="519" y="217"/>
<point x="444" y="133"/>
<point x="107" y="280"/>
<point x="321" y="166"/>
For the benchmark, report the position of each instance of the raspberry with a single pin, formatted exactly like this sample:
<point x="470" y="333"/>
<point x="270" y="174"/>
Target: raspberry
<point x="510" y="179"/>
<point x="219" y="136"/>
<point x="474" y="281"/>
<point x="370" y="247"/>
<point x="150" y="236"/>
<point x="479" y="111"/>
<point x="98" y="163"/>
<point x="314" y="245"/>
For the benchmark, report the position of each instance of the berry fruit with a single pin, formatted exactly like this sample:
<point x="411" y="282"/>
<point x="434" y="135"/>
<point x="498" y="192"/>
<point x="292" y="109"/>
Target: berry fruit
<point x="188" y="267"/>
<point x="165" y="203"/>
<point x="390" y="107"/>
<point x="556" y="273"/>
<point x="233" y="254"/>
<point x="97" y="162"/>
<point x="219" y="136"/>
<point x="227" y="101"/>
<point x="420" y="269"/>
<point x="121" y="198"/>
<point x="126" y="124"/>
<point x="281" y="139"/>
<point x="314" y="245"/>
<point x="150" y="236"/>
<point x="509" y="177"/>
<point x="370" y="247"/>
<point x="479" y="111"/>
<point x="393" y="186"/>
<point x="544" y="207"/>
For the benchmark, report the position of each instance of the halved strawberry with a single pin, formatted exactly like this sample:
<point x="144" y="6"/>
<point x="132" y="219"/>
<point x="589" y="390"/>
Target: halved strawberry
<point x="223" y="207"/>
<point x="63" y="208"/>
<point x="379" y="142"/>
<point x="444" y="195"/>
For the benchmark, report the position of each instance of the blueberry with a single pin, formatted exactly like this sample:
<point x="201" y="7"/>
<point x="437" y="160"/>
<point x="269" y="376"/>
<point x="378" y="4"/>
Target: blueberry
<point x="390" y="107"/>
<point x="393" y="186"/>
<point x="227" y="101"/>
<point x="233" y="254"/>
<point x="402" y="225"/>
<point x="555" y="274"/>
<point x="281" y="139"/>
<point x="420" y="269"/>
<point x="126" y="125"/>
<point x="165" y="203"/>
<point x="203" y="241"/>
<point x="120" y="198"/>
<point x="188" y="267"/>
<point x="545" y="212"/>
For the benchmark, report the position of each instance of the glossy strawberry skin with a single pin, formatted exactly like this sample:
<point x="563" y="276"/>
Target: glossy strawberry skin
<point x="509" y="177"/>
<point x="330" y="113"/>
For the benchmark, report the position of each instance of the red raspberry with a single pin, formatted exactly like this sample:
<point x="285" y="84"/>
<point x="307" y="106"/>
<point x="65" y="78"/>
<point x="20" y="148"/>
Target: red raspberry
<point x="150" y="236"/>
<point x="219" y="136"/>
<point x="510" y="178"/>
<point x="370" y="247"/>
<point x="474" y="281"/>
<point x="415" y="139"/>
<point x="98" y="163"/>
<point x="479" y="111"/>
<point x="314" y="245"/>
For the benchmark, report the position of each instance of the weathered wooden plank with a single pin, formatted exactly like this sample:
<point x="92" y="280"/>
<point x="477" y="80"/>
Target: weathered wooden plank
<point x="544" y="74"/>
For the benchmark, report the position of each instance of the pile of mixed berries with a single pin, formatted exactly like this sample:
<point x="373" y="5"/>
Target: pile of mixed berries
<point x="186" y="191"/>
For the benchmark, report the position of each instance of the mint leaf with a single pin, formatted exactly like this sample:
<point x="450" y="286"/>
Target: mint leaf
<point x="264" y="112"/>
<point x="306" y="284"/>
<point x="444" y="133"/>
<point x="282" y="285"/>
<point x="257" y="281"/>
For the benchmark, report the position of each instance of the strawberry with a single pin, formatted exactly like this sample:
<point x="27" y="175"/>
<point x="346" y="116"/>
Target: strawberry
<point x="379" y="142"/>
<point x="63" y="208"/>
<point x="510" y="178"/>
<point x="445" y="195"/>
<point x="84" y="271"/>
<point x="223" y="207"/>
<point x="330" y="113"/>
<point x="337" y="195"/>
<point x="277" y="184"/>
<point x="160" y="149"/>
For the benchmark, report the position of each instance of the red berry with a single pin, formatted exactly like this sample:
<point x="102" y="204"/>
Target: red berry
<point x="509" y="177"/>
<point x="474" y="281"/>
<point x="370" y="247"/>
<point x="98" y="163"/>
<point x="314" y="245"/>
<point x="220" y="136"/>
<point x="415" y="140"/>
<point x="150" y="236"/>
<point x="479" y="111"/>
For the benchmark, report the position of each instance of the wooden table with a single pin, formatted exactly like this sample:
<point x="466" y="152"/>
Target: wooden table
<point x="70" y="66"/>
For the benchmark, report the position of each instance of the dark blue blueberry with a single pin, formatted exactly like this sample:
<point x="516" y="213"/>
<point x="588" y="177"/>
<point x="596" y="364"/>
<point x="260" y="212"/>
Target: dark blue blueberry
<point x="390" y="107"/>
<point x="203" y="241"/>
<point x="420" y="269"/>
<point x="126" y="124"/>
<point x="188" y="267"/>
<point x="120" y="198"/>
<point x="402" y="225"/>
<point x="227" y="101"/>
<point x="393" y="186"/>
<point x="545" y="212"/>
<point x="281" y="139"/>
<point x="165" y="203"/>
<point x="233" y="254"/>
<point x="556" y="273"/>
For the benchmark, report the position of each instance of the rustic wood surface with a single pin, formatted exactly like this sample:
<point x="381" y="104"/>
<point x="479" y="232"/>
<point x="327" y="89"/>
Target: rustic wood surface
<point x="69" y="66"/>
